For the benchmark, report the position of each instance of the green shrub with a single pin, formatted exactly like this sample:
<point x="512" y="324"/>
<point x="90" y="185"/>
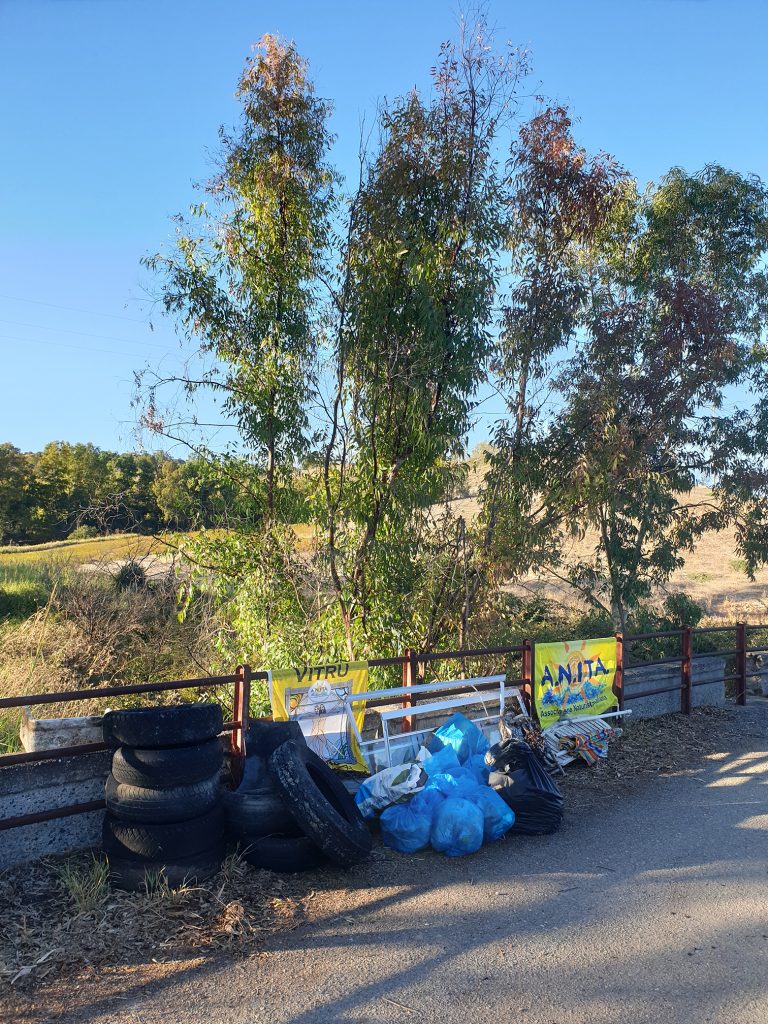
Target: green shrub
<point x="83" y="533"/>
<point x="681" y="612"/>
<point x="131" y="576"/>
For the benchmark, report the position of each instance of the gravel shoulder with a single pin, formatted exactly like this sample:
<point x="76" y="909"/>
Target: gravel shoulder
<point x="650" y="904"/>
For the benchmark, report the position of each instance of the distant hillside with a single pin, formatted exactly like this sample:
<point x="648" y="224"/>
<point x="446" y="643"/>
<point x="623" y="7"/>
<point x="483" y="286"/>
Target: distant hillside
<point x="713" y="575"/>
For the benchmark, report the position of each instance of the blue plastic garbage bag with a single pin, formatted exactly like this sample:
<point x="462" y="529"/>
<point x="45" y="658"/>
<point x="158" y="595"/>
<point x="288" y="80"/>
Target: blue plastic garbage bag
<point x="476" y="764"/>
<point x="461" y="734"/>
<point x="498" y="818"/>
<point x="426" y="801"/>
<point x="459" y="783"/>
<point x="443" y="760"/>
<point x="405" y="829"/>
<point x="457" y="828"/>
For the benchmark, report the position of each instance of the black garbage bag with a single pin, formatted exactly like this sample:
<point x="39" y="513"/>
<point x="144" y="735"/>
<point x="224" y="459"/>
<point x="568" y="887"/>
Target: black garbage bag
<point x="508" y="755"/>
<point x="522" y="781"/>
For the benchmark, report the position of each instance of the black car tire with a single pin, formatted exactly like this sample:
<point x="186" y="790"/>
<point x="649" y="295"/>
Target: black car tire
<point x="138" y="875"/>
<point x="177" y="803"/>
<point x="259" y="813"/>
<point x="264" y="736"/>
<point x="320" y="804"/>
<point x="163" y="767"/>
<point x="283" y="854"/>
<point x="172" y="726"/>
<point x="180" y="839"/>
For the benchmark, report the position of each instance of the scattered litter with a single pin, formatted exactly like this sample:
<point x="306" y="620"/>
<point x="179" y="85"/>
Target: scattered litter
<point x="389" y="786"/>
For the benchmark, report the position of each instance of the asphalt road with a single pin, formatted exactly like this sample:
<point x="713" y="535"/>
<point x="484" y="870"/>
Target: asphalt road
<point x="650" y="907"/>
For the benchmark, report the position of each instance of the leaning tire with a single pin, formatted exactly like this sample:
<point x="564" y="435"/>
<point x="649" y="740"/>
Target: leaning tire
<point x="140" y="875"/>
<point x="264" y="736"/>
<point x="259" y="813"/>
<point x="161" y="768"/>
<point x="182" y="839"/>
<point x="283" y="854"/>
<point x="143" y="804"/>
<point x="320" y="804"/>
<point x="173" y="726"/>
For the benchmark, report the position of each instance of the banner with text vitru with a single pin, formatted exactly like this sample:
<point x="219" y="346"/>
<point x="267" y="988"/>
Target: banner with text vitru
<point x="314" y="697"/>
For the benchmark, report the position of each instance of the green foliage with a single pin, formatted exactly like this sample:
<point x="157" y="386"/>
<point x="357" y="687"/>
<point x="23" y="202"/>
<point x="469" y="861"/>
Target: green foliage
<point x="371" y="312"/>
<point x="10" y="742"/>
<point x="242" y="276"/>
<point x="86" y="886"/>
<point x="23" y="589"/>
<point x="83" y="533"/>
<point x="681" y="612"/>
<point x="676" y="300"/>
<point x="350" y="335"/>
<point x="421" y="272"/>
<point x="79" y="492"/>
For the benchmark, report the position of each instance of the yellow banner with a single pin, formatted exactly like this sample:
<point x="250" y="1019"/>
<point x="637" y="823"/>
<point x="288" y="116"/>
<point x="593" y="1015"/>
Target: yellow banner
<point x="314" y="697"/>
<point x="574" y="677"/>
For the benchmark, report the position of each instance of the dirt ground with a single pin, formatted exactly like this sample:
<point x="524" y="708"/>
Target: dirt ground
<point x="656" y="870"/>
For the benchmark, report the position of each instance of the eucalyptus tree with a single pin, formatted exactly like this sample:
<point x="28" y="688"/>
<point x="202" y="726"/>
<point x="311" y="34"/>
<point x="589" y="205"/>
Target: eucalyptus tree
<point x="242" y="276"/>
<point x="417" y="294"/>
<point x="371" y="312"/>
<point x="664" y="392"/>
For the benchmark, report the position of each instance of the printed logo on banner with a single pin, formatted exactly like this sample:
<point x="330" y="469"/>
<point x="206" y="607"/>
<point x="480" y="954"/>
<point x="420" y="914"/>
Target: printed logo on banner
<point x="574" y="677"/>
<point x="314" y="697"/>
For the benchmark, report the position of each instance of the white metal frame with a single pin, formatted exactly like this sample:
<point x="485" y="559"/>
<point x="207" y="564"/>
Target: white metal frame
<point x="502" y="693"/>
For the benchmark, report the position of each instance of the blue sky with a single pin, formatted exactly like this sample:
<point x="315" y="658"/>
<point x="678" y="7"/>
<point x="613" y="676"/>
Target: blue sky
<point x="109" y="111"/>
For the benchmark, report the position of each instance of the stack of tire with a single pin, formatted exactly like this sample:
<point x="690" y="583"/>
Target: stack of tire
<point x="291" y="812"/>
<point x="164" y="814"/>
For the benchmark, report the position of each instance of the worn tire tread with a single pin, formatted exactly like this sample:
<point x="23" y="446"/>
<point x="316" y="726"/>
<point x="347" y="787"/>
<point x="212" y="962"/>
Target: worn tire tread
<point x="172" y="725"/>
<point x="320" y="803"/>
<point x="163" y="806"/>
<point x="164" y="767"/>
<point x="130" y="841"/>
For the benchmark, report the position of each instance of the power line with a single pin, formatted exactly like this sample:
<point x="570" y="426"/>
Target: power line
<point x="80" y="348"/>
<point x="83" y="334"/>
<point x="74" y="309"/>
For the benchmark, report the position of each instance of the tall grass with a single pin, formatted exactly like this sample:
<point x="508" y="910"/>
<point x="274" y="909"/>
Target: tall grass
<point x="24" y="587"/>
<point x="87" y="886"/>
<point x="10" y="741"/>
<point x="27" y="573"/>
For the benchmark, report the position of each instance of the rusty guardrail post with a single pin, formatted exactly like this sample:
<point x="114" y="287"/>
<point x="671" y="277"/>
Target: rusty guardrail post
<point x="686" y="681"/>
<point x="741" y="663"/>
<point x="240" y="713"/>
<point x="526" y="675"/>
<point x="410" y="668"/>
<point x="618" y="679"/>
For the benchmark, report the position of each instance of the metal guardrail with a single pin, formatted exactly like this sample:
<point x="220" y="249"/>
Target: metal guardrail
<point x="411" y="662"/>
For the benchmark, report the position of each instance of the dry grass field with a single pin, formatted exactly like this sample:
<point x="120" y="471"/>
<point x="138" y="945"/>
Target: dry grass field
<point x="713" y="575"/>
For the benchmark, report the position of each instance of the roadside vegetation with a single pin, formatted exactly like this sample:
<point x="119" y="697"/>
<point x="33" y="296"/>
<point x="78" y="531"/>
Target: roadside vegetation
<point x="350" y="329"/>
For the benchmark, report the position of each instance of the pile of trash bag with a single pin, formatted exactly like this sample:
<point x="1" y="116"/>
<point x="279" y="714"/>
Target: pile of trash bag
<point x="519" y="776"/>
<point x="453" y="809"/>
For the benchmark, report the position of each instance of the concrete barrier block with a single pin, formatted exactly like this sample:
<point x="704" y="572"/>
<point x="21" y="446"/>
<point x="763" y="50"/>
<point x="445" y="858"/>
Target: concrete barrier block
<point x="46" y="785"/>
<point x="49" y="733"/>
<point x="708" y="689"/>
